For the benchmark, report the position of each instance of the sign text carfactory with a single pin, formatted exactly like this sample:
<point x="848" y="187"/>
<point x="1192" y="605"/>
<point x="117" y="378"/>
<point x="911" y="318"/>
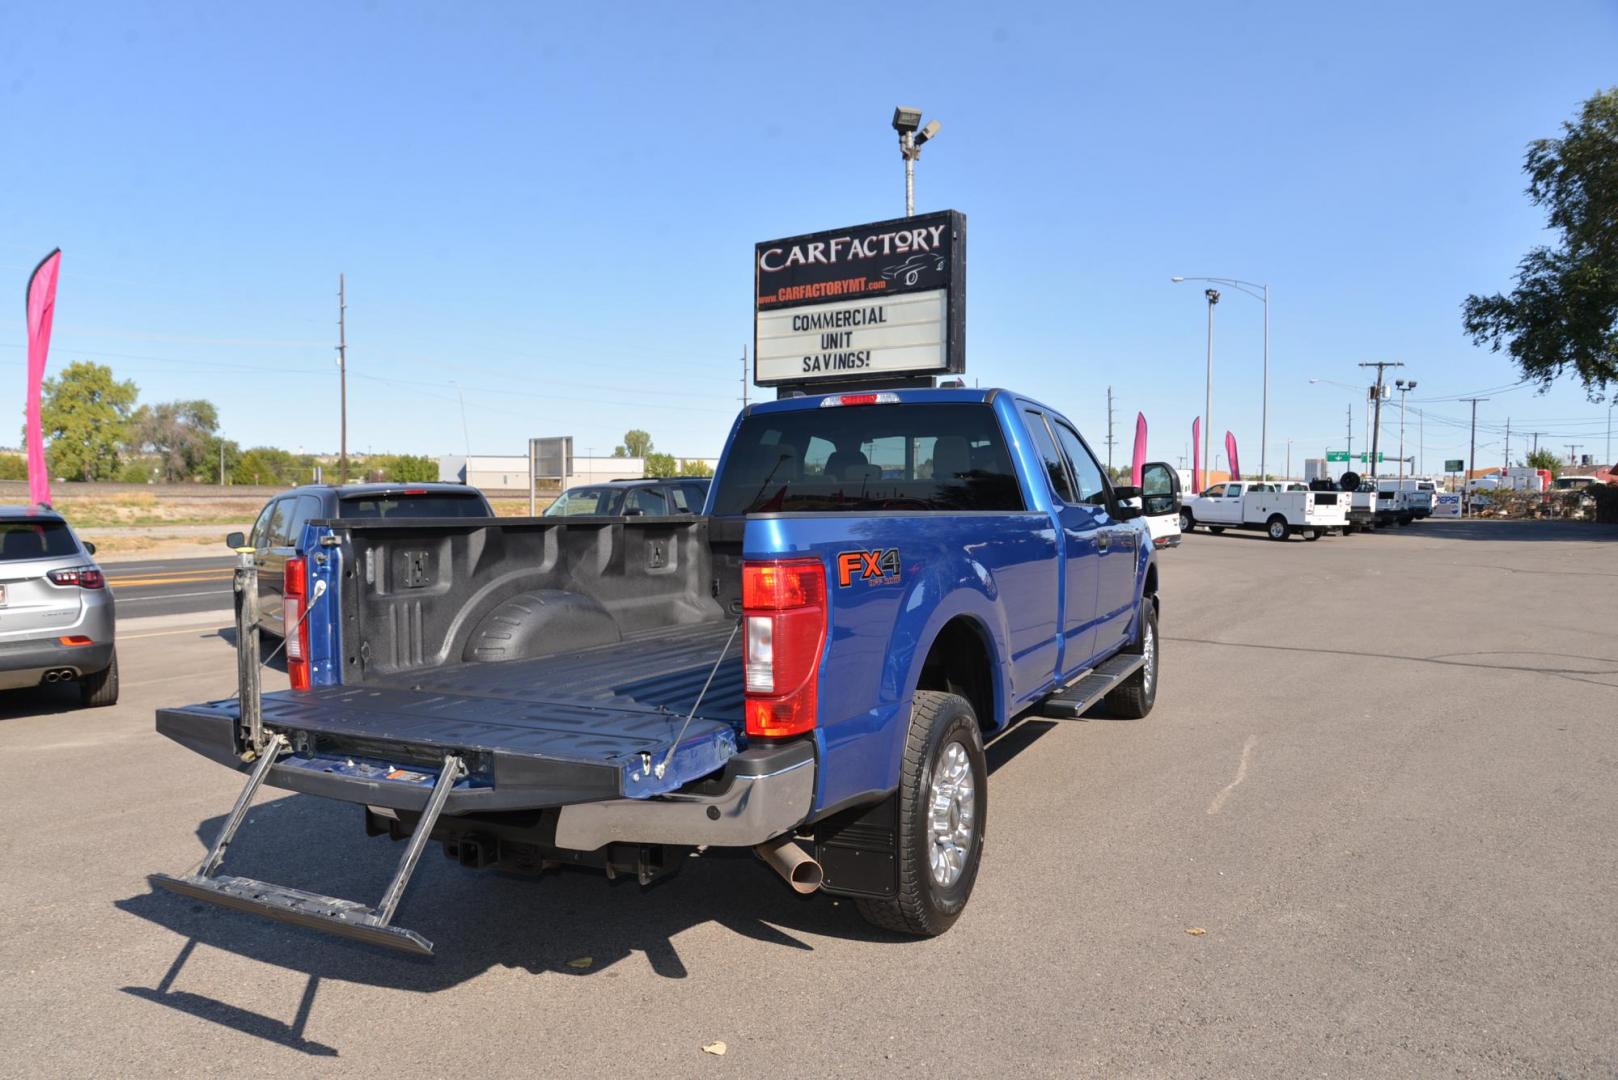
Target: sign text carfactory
<point x="881" y="300"/>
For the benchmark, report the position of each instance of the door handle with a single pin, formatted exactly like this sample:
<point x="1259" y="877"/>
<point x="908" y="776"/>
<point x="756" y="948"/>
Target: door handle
<point x="1103" y="541"/>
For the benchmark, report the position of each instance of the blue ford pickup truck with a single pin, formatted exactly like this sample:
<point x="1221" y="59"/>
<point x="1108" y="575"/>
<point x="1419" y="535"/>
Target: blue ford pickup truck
<point x="880" y="582"/>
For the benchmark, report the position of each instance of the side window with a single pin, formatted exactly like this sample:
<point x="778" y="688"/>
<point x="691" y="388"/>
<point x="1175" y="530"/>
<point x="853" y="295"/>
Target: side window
<point x="304" y="507"/>
<point x="677" y="499"/>
<point x="1086" y="470"/>
<point x="648" y="501"/>
<point x="260" y="536"/>
<point x="1055" y="471"/>
<point x="280" y="521"/>
<point x="1234" y="491"/>
<point x="1215" y="492"/>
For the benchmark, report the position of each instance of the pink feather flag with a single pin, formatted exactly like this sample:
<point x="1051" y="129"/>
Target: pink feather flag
<point x="41" y="305"/>
<point x="1196" y="456"/>
<point x="1140" y="449"/>
<point x="1230" y="456"/>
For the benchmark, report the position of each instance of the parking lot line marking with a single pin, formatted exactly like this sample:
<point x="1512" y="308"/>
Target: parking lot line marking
<point x="200" y="628"/>
<point x="1241" y="774"/>
<point x="171" y="580"/>
<point x="171" y="596"/>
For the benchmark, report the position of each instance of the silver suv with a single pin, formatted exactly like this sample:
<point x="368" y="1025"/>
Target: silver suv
<point x="56" y="612"/>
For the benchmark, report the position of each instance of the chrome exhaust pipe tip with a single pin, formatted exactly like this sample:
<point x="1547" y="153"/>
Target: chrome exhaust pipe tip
<point x="796" y="866"/>
<point x="50" y="676"/>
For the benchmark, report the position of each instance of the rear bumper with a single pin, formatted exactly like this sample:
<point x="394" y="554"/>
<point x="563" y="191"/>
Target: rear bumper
<point x="763" y="792"/>
<point x="24" y="663"/>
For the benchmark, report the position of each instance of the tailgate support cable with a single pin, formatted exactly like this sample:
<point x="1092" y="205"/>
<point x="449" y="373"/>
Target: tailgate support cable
<point x="663" y="766"/>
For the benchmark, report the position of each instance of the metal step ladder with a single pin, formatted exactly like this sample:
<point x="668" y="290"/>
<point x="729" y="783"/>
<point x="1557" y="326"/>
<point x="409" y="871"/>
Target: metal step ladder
<point x="331" y="914"/>
<point x="348" y="918"/>
<point x="1072" y="701"/>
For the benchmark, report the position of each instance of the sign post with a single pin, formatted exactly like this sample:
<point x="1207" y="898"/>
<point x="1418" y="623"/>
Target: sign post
<point x="882" y="304"/>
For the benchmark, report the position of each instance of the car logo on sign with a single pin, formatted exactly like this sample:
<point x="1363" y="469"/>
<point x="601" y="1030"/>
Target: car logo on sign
<point x="879" y="566"/>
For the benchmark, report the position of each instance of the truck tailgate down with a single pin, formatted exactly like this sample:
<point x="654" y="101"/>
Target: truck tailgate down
<point x="574" y="727"/>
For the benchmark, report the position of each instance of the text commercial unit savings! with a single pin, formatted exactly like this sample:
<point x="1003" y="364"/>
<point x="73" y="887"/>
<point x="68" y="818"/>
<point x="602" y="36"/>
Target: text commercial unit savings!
<point x="880" y="301"/>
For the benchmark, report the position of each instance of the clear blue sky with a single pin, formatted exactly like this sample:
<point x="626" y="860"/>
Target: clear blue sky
<point x="555" y="204"/>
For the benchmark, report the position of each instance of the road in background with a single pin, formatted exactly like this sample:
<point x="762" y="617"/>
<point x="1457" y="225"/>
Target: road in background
<point x="1367" y="831"/>
<point x="170" y="586"/>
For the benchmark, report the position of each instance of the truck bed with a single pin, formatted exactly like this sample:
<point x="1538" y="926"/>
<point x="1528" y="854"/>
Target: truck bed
<point x="571" y="727"/>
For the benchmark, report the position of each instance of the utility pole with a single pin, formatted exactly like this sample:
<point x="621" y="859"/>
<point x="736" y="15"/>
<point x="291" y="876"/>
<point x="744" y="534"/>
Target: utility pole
<point x="1508" y="448"/>
<point x="1351" y="435"/>
<point x="342" y="381"/>
<point x="1471" y="455"/>
<point x="1534" y="438"/>
<point x="1109" y="432"/>
<point x="1207" y="408"/>
<point x="1289" y="461"/>
<point x="1376" y="397"/>
<point x="744" y="376"/>
<point x="1573" y="452"/>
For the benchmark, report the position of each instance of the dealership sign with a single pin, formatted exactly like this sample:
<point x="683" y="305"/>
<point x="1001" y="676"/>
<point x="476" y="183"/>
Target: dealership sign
<point x="882" y="300"/>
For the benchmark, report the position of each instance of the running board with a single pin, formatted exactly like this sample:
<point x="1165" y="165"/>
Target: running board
<point x="1079" y="696"/>
<point x="347" y="918"/>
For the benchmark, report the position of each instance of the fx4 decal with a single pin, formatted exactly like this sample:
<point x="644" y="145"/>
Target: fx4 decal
<point x="879" y="567"/>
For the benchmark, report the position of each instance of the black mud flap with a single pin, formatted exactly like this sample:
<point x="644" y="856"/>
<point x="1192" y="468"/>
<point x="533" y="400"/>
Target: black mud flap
<point x="331" y="914"/>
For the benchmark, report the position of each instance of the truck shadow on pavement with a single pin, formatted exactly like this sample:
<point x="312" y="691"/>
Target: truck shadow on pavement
<point x="478" y="920"/>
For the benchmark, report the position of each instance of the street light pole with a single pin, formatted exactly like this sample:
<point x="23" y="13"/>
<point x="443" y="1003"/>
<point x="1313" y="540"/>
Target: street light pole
<point x="1207" y="406"/>
<point x="907" y="121"/>
<point x="1405" y="386"/>
<point x="1263" y="296"/>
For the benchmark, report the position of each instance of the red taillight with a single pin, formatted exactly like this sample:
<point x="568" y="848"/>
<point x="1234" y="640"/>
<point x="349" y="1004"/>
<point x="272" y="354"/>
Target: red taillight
<point x="294" y="629"/>
<point x="414" y="491"/>
<point x="784" y="608"/>
<point x="85" y="577"/>
<point x="75" y="639"/>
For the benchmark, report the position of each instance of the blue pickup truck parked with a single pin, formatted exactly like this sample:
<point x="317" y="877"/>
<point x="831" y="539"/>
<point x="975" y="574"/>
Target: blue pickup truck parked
<point x="880" y="582"/>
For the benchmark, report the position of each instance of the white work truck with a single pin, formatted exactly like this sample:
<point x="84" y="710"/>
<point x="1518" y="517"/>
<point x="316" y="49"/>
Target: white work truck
<point x="1259" y="505"/>
<point x="1405" y="500"/>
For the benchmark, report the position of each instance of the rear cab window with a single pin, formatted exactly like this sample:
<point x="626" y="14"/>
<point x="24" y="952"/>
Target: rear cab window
<point x="20" y="540"/>
<point x="913" y="456"/>
<point x="405" y="505"/>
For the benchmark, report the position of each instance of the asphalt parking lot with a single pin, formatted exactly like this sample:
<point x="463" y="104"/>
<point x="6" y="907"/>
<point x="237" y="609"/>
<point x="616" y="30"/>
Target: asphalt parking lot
<point x="1381" y="778"/>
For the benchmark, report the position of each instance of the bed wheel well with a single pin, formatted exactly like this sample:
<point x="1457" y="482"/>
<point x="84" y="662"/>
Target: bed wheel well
<point x="959" y="663"/>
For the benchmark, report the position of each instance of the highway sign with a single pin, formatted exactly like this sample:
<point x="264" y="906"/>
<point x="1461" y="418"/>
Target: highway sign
<point x="1454" y="465"/>
<point x="1337" y="455"/>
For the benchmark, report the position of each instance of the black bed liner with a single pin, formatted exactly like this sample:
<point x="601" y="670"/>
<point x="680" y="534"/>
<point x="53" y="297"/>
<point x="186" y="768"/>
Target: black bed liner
<point x="572" y="727"/>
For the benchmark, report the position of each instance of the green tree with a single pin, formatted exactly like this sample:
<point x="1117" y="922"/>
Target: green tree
<point x="180" y="433"/>
<point x="1545" y="458"/>
<point x="85" y="416"/>
<point x="697" y="467"/>
<point x="636" y="444"/>
<point x="1563" y="312"/>
<point x="661" y="465"/>
<point x="412" y="469"/>
<point x="265" y="465"/>
<point x="137" y="471"/>
<point x="13" y="467"/>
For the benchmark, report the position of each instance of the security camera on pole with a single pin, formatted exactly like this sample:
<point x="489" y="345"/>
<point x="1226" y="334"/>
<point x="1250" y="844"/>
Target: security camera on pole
<point x="906" y="121"/>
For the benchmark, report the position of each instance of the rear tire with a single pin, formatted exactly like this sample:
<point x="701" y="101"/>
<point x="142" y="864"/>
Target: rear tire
<point x="943" y="808"/>
<point x="100" y="688"/>
<point x="1277" y="528"/>
<point x="1134" y="697"/>
<point x="1216" y="529"/>
<point x="1187" y="522"/>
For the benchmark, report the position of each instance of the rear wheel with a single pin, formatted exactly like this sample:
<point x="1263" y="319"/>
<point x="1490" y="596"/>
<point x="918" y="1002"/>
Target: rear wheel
<point x="1277" y="528"/>
<point x="1134" y="697"/>
<point x="943" y="807"/>
<point x="100" y="688"/>
<point x="1187" y="522"/>
<point x="1216" y="529"/>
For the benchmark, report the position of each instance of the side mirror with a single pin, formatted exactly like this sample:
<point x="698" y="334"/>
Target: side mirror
<point x="89" y="547"/>
<point x="634" y="512"/>
<point x="235" y="540"/>
<point x="1129" y="502"/>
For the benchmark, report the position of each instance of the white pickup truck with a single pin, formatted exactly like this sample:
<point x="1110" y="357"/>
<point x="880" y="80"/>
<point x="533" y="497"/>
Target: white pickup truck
<point x="1264" y="505"/>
